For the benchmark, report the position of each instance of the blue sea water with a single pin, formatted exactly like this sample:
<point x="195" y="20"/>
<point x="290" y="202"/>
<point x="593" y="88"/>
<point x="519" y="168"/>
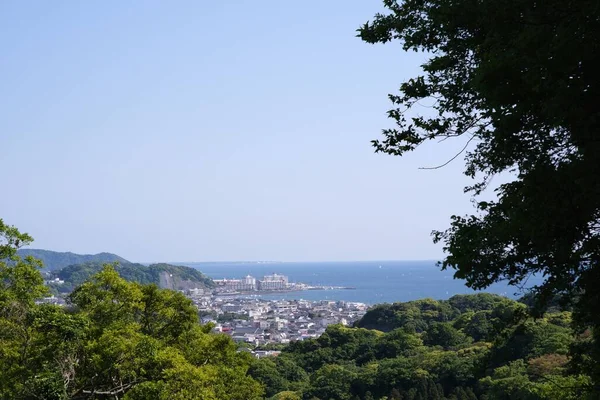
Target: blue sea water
<point x="375" y="281"/>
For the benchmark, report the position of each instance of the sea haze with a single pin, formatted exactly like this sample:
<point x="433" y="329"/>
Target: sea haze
<point x="375" y="281"/>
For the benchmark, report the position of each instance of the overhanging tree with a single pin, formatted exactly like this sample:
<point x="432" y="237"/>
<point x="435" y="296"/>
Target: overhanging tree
<point x="517" y="81"/>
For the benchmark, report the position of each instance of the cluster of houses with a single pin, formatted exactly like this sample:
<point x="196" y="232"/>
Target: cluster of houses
<point x="257" y="321"/>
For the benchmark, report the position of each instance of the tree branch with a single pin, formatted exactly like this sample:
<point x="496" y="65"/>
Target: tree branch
<point x="453" y="158"/>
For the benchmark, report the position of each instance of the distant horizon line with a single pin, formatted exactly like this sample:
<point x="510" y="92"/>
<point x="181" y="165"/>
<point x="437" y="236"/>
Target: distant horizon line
<point x="233" y="261"/>
<point x="290" y="262"/>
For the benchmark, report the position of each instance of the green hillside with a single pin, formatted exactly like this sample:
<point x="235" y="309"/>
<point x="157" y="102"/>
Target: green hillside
<point x="54" y="260"/>
<point x="164" y="275"/>
<point x="115" y="340"/>
<point x="470" y="347"/>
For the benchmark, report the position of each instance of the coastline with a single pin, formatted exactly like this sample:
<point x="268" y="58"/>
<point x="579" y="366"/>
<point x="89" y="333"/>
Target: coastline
<point x="277" y="291"/>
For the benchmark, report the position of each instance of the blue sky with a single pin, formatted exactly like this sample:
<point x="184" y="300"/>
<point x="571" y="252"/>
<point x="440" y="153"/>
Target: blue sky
<point x="196" y="131"/>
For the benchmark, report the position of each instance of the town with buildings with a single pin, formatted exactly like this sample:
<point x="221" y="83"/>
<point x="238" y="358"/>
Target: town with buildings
<point x="235" y="308"/>
<point x="249" y="284"/>
<point x="268" y="283"/>
<point x="257" y="322"/>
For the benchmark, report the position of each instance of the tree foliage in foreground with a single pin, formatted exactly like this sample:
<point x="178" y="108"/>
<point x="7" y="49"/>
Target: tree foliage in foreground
<point x="517" y="83"/>
<point x="431" y="350"/>
<point x="116" y="340"/>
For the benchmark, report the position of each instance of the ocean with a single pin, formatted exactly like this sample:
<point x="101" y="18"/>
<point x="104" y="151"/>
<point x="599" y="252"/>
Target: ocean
<point x="375" y="281"/>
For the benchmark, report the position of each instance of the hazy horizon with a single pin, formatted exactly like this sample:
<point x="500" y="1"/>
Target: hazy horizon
<point x="234" y="261"/>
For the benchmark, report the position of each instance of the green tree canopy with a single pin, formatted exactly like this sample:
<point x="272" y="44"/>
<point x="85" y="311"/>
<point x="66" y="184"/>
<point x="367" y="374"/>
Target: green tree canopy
<point x="517" y="83"/>
<point x="445" y="335"/>
<point x="116" y="339"/>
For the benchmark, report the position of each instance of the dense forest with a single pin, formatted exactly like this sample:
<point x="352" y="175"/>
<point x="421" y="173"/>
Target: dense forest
<point x="163" y="275"/>
<point x="469" y="347"/>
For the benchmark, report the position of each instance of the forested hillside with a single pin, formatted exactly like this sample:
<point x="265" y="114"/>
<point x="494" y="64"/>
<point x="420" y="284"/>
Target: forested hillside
<point x="54" y="260"/>
<point x="163" y="275"/>
<point x="114" y="340"/>
<point x="469" y="347"/>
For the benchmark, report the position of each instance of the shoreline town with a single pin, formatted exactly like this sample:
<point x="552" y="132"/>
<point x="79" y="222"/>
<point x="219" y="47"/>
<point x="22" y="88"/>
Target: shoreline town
<point x="258" y="322"/>
<point x="235" y="308"/>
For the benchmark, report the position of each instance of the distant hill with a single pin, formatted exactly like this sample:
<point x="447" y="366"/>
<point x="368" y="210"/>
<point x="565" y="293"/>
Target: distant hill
<point x="54" y="260"/>
<point x="164" y="275"/>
